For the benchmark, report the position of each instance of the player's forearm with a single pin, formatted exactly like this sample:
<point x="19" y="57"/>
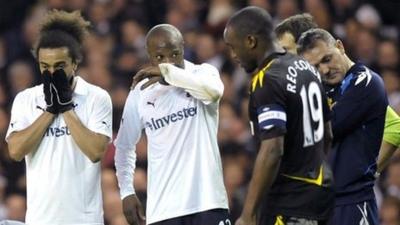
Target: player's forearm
<point x="93" y="145"/>
<point x="205" y="86"/>
<point x="23" y="142"/>
<point x="265" y="171"/>
<point x="385" y="153"/>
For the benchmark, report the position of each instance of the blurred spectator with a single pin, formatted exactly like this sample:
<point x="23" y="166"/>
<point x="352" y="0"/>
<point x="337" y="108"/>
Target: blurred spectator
<point x="391" y="79"/>
<point x="3" y="51"/>
<point x="118" y="95"/>
<point x="388" y="55"/>
<point x="369" y="17"/>
<point x="4" y="101"/>
<point x="19" y="42"/>
<point x="261" y="3"/>
<point x="56" y="4"/>
<point x="286" y="8"/>
<point x="20" y="75"/>
<point x="126" y="65"/>
<point x="390" y="211"/>
<point x="100" y="76"/>
<point x="393" y="178"/>
<point x="366" y="47"/>
<point x="230" y="126"/>
<point x="183" y="14"/>
<point x="218" y="14"/>
<point x="4" y="118"/>
<point x="3" y="209"/>
<point x="206" y="49"/>
<point x="234" y="180"/>
<point x="73" y="5"/>
<point x="319" y="10"/>
<point x="16" y="207"/>
<point x="99" y="16"/>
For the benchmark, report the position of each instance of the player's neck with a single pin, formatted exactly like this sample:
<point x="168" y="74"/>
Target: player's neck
<point x="273" y="49"/>
<point x="349" y="62"/>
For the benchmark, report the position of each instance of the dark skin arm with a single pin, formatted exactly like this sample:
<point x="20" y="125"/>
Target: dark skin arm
<point x="133" y="210"/>
<point x="151" y="72"/>
<point x="265" y="171"/>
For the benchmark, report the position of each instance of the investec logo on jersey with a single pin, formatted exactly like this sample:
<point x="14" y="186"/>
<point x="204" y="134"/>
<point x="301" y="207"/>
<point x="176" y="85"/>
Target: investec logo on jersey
<point x="155" y="124"/>
<point x="57" y="131"/>
<point x="291" y="76"/>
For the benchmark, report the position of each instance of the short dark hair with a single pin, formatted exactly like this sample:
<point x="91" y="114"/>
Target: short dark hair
<point x="168" y="29"/>
<point x="252" y="20"/>
<point x="63" y="29"/>
<point x="296" y="25"/>
<point x="309" y="39"/>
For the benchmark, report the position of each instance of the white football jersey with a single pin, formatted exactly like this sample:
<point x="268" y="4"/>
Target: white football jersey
<point x="63" y="185"/>
<point x="180" y="121"/>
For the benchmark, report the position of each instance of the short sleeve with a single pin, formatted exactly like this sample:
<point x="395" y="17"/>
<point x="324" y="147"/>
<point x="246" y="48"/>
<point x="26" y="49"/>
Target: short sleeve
<point x="392" y="127"/>
<point x="270" y="108"/>
<point x="19" y="120"/>
<point x="100" y="120"/>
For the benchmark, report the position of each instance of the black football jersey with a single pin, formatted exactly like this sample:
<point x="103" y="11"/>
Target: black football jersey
<point x="287" y="99"/>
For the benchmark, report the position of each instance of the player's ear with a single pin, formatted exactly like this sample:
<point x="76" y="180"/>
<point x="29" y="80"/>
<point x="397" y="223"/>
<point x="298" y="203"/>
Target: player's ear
<point x="339" y="45"/>
<point x="251" y="41"/>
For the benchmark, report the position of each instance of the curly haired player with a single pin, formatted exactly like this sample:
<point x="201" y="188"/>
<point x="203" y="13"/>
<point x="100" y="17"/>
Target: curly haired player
<point x="62" y="128"/>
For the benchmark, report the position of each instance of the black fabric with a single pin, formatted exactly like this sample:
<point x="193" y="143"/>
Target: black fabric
<point x="49" y="97"/>
<point x="287" y="99"/>
<point x="214" y="216"/>
<point x="62" y="87"/>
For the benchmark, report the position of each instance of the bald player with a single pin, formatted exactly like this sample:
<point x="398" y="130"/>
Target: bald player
<point x="175" y="103"/>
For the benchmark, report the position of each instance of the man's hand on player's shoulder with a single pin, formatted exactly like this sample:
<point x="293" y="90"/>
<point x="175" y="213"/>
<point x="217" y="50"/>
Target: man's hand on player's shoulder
<point x="153" y="73"/>
<point x="133" y="210"/>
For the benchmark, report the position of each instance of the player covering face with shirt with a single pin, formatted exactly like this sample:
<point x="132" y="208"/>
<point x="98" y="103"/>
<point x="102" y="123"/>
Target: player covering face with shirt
<point x="163" y="46"/>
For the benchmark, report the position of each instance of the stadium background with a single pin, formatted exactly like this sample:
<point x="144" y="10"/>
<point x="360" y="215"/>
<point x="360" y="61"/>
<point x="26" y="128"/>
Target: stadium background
<point x="114" y="52"/>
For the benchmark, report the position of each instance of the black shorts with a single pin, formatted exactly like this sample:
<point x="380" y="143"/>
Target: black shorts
<point x="358" y="213"/>
<point x="210" y="217"/>
<point x="288" y="220"/>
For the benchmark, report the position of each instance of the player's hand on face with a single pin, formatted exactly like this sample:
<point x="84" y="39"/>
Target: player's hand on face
<point x="62" y="86"/>
<point x="245" y="221"/>
<point x="49" y="94"/>
<point x="133" y="210"/>
<point x="153" y="73"/>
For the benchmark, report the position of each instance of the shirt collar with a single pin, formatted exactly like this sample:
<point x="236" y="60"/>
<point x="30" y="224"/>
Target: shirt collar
<point x="81" y="87"/>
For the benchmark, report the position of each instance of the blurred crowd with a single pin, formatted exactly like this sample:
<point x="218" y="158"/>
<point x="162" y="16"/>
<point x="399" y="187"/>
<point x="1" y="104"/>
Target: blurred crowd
<point x="114" y="52"/>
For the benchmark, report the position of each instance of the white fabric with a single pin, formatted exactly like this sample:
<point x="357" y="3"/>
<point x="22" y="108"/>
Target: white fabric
<point x="11" y="222"/>
<point x="63" y="185"/>
<point x="184" y="164"/>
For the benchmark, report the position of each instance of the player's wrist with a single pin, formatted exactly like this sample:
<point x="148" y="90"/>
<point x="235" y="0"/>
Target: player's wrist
<point x="52" y="110"/>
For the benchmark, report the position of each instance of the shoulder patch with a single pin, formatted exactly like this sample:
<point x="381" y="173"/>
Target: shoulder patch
<point x="362" y="76"/>
<point x="259" y="77"/>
